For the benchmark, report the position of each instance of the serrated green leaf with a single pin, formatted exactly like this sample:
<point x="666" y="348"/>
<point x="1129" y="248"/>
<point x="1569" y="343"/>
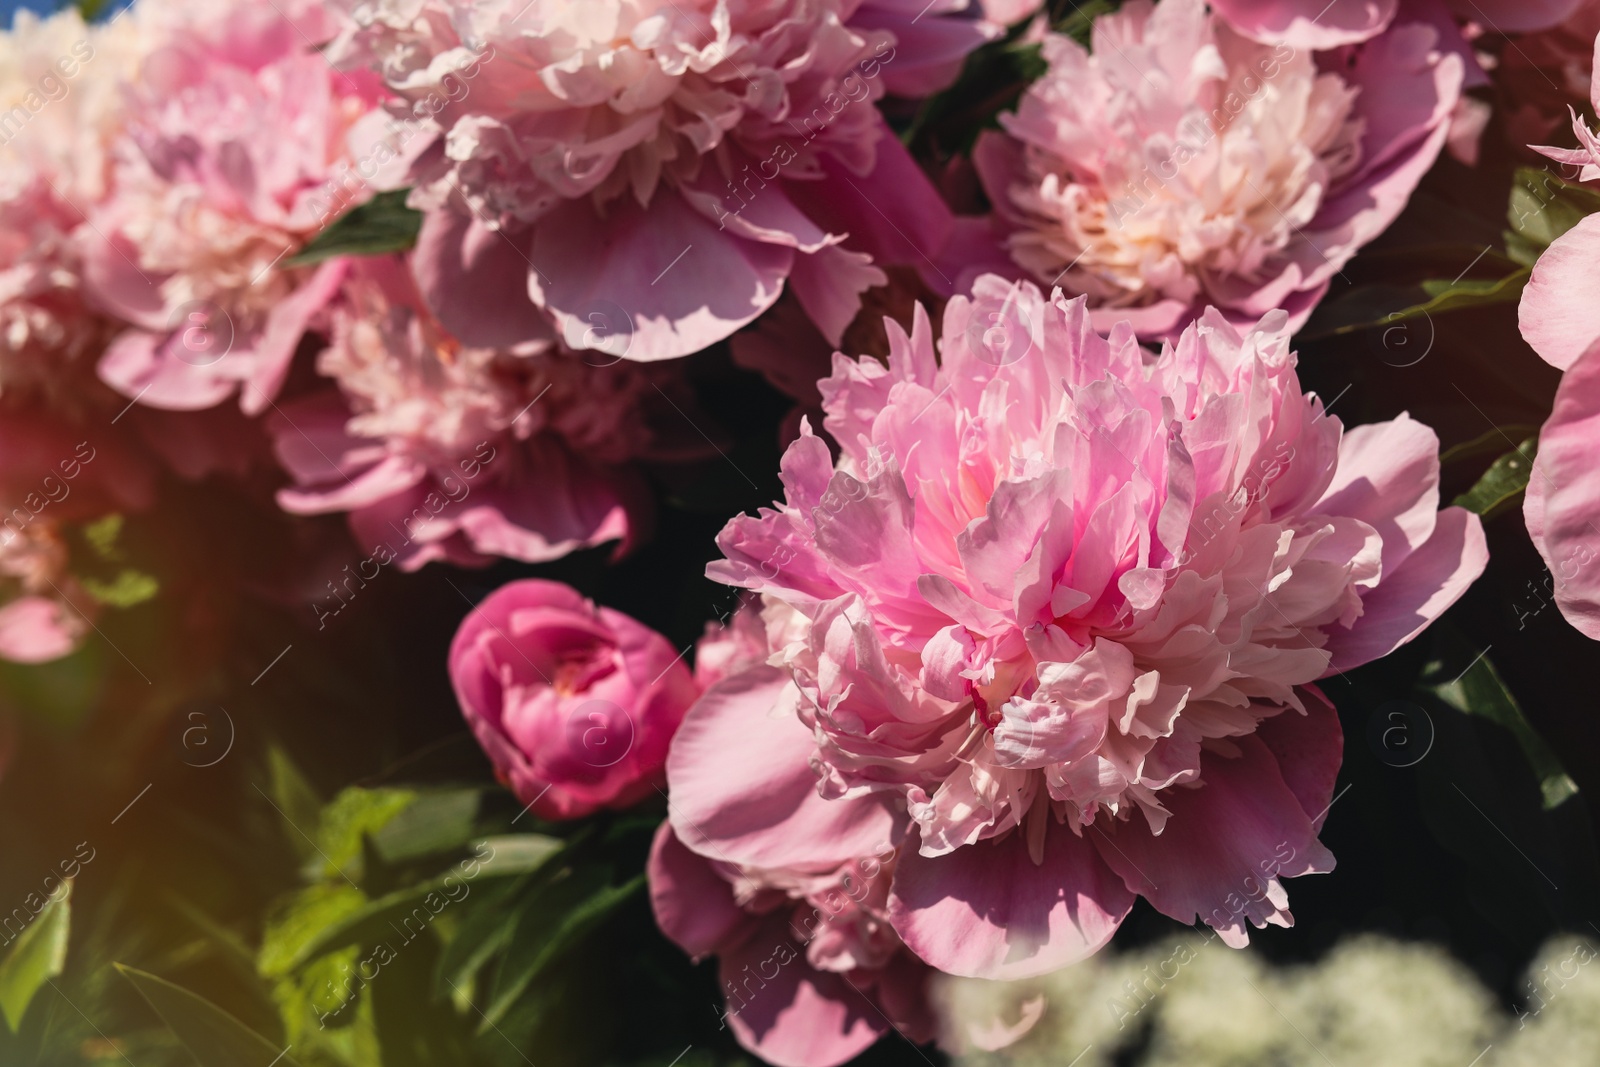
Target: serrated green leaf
<point x="1479" y="690"/>
<point x="382" y="225"/>
<point x="1503" y="483"/>
<point x="554" y="919"/>
<point x="37" y="955"/>
<point x="1543" y="206"/>
<point x="215" y="1037"/>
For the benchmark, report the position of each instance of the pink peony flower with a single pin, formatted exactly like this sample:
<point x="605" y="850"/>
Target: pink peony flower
<point x="443" y="451"/>
<point x="1176" y="165"/>
<point x="661" y="170"/>
<point x="1560" y="318"/>
<point x="236" y="132"/>
<point x="1064" y="604"/>
<point x="1317" y="24"/>
<point x="811" y="967"/>
<point x="574" y="704"/>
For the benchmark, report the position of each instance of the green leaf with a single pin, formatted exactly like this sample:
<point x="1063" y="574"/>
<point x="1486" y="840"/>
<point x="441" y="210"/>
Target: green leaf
<point x="103" y="534"/>
<point x="128" y="589"/>
<point x="1542" y="208"/>
<point x="437" y="821"/>
<point x="1480" y="691"/>
<point x="555" y="918"/>
<point x="35" y="957"/>
<point x="215" y="1037"/>
<point x="383" y="224"/>
<point x="352" y="815"/>
<point x="517" y="854"/>
<point x="1489" y="443"/>
<point x="1503" y="483"/>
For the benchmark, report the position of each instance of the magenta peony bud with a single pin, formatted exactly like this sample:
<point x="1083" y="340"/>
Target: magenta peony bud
<point x="574" y="703"/>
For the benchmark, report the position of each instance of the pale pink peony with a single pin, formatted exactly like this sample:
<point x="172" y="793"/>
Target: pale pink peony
<point x="237" y="130"/>
<point x="61" y="105"/>
<point x="1063" y="604"/>
<point x="1176" y="165"/>
<point x="575" y="704"/>
<point x="810" y="966"/>
<point x="443" y="451"/>
<point x="1320" y="24"/>
<point x="661" y="169"/>
<point x="1560" y="317"/>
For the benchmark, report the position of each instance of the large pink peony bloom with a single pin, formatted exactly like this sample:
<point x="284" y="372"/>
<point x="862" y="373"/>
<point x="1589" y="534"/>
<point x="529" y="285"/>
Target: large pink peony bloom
<point x="1177" y="165"/>
<point x="1063" y="604"/>
<point x="575" y="704"/>
<point x="237" y="131"/>
<point x="659" y="169"/>
<point x="442" y="451"/>
<point x="1560" y="318"/>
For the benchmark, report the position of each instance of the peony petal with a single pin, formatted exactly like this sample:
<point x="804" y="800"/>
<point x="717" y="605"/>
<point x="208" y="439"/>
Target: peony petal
<point x="1558" y="314"/>
<point x="988" y="911"/>
<point x="474" y="279"/>
<point x="1223" y="846"/>
<point x="1562" y="507"/>
<point x="693" y="904"/>
<point x="683" y="283"/>
<point x="1421" y="588"/>
<point x="742" y="788"/>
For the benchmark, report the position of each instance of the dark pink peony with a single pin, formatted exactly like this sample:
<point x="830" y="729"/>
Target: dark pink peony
<point x="575" y="704"/>
<point x="1060" y="606"/>
<point x="660" y="170"/>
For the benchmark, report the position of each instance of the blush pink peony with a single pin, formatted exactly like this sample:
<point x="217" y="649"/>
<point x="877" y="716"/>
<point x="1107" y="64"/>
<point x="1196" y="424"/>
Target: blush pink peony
<point x="662" y="170"/>
<point x="1177" y="165"/>
<point x="443" y="451"/>
<point x="1061" y="606"/>
<point x="575" y="704"/>
<point x="237" y="129"/>
<point x="1560" y="318"/>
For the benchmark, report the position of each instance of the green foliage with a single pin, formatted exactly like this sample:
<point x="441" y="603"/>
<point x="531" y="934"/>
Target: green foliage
<point x="1543" y="207"/>
<point x="382" y="225"/>
<point x="1503" y="484"/>
<point x="215" y="1037"/>
<point x="37" y="955"/>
